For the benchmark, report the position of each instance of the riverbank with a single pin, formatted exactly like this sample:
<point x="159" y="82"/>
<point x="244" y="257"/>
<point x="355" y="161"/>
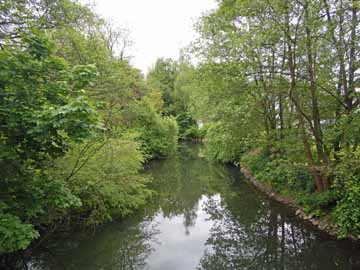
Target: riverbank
<point x="204" y="216"/>
<point x="323" y="223"/>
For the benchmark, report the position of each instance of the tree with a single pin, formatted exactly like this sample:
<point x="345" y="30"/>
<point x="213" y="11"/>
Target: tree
<point x="277" y="79"/>
<point x="43" y="112"/>
<point x="69" y="154"/>
<point x="175" y="80"/>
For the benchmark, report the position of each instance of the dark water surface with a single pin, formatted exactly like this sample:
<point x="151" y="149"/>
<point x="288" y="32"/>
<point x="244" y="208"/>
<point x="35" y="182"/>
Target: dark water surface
<point x="206" y="216"/>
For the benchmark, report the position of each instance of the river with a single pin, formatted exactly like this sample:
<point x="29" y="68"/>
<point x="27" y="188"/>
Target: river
<point x="204" y="216"/>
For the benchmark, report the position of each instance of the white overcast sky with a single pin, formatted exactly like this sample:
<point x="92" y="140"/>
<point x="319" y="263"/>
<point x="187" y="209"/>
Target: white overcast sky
<point x="159" y="28"/>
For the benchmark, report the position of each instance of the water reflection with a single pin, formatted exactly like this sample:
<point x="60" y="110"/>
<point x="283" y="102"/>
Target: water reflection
<point x="203" y="217"/>
<point x="180" y="246"/>
<point x="126" y="246"/>
<point x="268" y="240"/>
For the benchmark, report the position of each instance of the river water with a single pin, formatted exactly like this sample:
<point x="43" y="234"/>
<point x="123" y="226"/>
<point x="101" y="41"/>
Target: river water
<point x="205" y="216"/>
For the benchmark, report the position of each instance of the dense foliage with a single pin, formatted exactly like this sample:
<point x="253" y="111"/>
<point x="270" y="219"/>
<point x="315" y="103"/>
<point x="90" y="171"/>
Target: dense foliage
<point x="174" y="79"/>
<point x="278" y="89"/>
<point x="159" y="134"/>
<point x="77" y="121"/>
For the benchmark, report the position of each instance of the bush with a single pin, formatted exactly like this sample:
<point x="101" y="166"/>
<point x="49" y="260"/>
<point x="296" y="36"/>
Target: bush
<point x="105" y="177"/>
<point x="255" y="160"/>
<point x="31" y="202"/>
<point x="14" y="234"/>
<point x="158" y="134"/>
<point x="222" y="144"/>
<point x="347" y="181"/>
<point x="347" y="211"/>
<point x="195" y="132"/>
<point x="282" y="174"/>
<point x="187" y="125"/>
<point x="317" y="203"/>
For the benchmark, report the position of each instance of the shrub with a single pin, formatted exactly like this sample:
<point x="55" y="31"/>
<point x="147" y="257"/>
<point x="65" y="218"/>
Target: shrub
<point x="316" y="203"/>
<point x="14" y="234"/>
<point x="255" y="160"/>
<point x="158" y="134"/>
<point x="105" y="176"/>
<point x="347" y="181"/>
<point x="282" y="174"/>
<point x="223" y="144"/>
<point x="195" y="132"/>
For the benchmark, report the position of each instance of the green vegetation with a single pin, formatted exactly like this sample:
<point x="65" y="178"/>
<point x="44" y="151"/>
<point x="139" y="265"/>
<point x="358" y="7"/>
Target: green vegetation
<point x="159" y="134"/>
<point x="175" y="82"/>
<point x="77" y="122"/>
<point x="278" y="90"/>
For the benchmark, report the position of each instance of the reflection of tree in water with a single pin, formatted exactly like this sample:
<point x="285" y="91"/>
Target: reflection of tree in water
<point x="247" y="231"/>
<point x="180" y="183"/>
<point x="134" y="250"/>
<point x="126" y="247"/>
<point x="257" y="235"/>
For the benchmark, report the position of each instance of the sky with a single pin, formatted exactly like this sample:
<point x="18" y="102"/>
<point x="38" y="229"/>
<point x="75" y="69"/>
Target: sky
<point x="159" y="28"/>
